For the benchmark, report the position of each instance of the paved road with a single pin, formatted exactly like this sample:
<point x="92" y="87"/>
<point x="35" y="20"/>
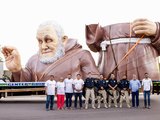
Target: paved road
<point x="36" y="111"/>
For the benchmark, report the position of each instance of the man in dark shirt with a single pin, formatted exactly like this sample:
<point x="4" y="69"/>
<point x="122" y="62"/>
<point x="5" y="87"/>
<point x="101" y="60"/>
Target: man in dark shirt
<point x="112" y="84"/>
<point x="124" y="86"/>
<point x="101" y="85"/>
<point x="89" y="86"/>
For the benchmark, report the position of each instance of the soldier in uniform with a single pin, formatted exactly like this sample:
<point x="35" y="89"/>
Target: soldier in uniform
<point x="89" y="86"/>
<point x="101" y="85"/>
<point x="112" y="84"/>
<point x="124" y="87"/>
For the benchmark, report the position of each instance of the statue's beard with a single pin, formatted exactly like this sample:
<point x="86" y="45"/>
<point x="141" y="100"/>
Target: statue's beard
<point x="58" y="54"/>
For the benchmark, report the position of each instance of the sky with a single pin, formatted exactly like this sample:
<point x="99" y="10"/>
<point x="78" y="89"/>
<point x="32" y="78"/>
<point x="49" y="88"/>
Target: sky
<point x="19" y="19"/>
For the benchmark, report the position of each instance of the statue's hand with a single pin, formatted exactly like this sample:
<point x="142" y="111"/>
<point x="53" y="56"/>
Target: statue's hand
<point x="12" y="58"/>
<point x="144" y="26"/>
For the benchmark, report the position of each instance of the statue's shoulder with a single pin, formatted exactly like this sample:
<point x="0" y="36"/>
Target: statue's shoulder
<point x="32" y="59"/>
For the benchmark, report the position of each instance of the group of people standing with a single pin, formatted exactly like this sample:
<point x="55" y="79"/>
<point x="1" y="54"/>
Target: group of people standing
<point x="93" y="88"/>
<point x="64" y="88"/>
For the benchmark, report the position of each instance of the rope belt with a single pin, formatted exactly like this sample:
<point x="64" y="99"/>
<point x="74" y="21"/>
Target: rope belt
<point x="105" y="43"/>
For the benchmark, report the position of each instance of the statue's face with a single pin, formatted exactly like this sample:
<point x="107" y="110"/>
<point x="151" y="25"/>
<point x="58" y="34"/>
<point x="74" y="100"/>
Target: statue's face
<point x="48" y="41"/>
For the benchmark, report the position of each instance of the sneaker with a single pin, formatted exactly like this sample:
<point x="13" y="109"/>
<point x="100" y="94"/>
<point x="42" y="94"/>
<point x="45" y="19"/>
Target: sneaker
<point x="105" y="106"/>
<point x="120" y="106"/>
<point x="145" y="107"/>
<point x="116" y="106"/>
<point x="98" y="106"/>
<point x="109" y="106"/>
<point x="86" y="107"/>
<point x="51" y="109"/>
<point x="129" y="106"/>
<point x="149" y="107"/>
<point x="66" y="108"/>
<point x="47" y="109"/>
<point x="94" y="107"/>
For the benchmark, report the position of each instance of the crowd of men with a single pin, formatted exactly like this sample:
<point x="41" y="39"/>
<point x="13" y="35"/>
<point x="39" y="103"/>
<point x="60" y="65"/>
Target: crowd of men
<point x="96" y="89"/>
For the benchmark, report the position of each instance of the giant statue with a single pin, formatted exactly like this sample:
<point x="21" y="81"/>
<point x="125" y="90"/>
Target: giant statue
<point x="58" y="55"/>
<point x="126" y="48"/>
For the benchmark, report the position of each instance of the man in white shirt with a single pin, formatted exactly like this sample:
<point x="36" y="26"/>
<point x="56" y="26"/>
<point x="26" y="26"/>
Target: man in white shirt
<point x="68" y="91"/>
<point x="50" y="86"/>
<point x="78" y="87"/>
<point x="147" y="89"/>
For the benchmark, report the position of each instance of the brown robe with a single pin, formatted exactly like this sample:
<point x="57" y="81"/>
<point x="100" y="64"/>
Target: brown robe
<point x="144" y="58"/>
<point x="76" y="60"/>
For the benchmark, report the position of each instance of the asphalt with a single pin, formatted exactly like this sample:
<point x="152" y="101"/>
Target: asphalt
<point x="33" y="108"/>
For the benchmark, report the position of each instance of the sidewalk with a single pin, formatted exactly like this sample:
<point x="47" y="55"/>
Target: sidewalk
<point x="29" y="98"/>
<point x="36" y="98"/>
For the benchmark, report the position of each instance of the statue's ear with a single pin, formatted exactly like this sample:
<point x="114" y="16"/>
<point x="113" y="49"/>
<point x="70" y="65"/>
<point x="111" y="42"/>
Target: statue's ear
<point x="64" y="39"/>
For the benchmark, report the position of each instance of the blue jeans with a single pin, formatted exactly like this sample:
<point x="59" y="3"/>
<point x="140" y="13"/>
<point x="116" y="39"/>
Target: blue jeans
<point x="78" y="95"/>
<point x="49" y="101"/>
<point x="146" y="95"/>
<point x="69" y="99"/>
<point x="135" y="95"/>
